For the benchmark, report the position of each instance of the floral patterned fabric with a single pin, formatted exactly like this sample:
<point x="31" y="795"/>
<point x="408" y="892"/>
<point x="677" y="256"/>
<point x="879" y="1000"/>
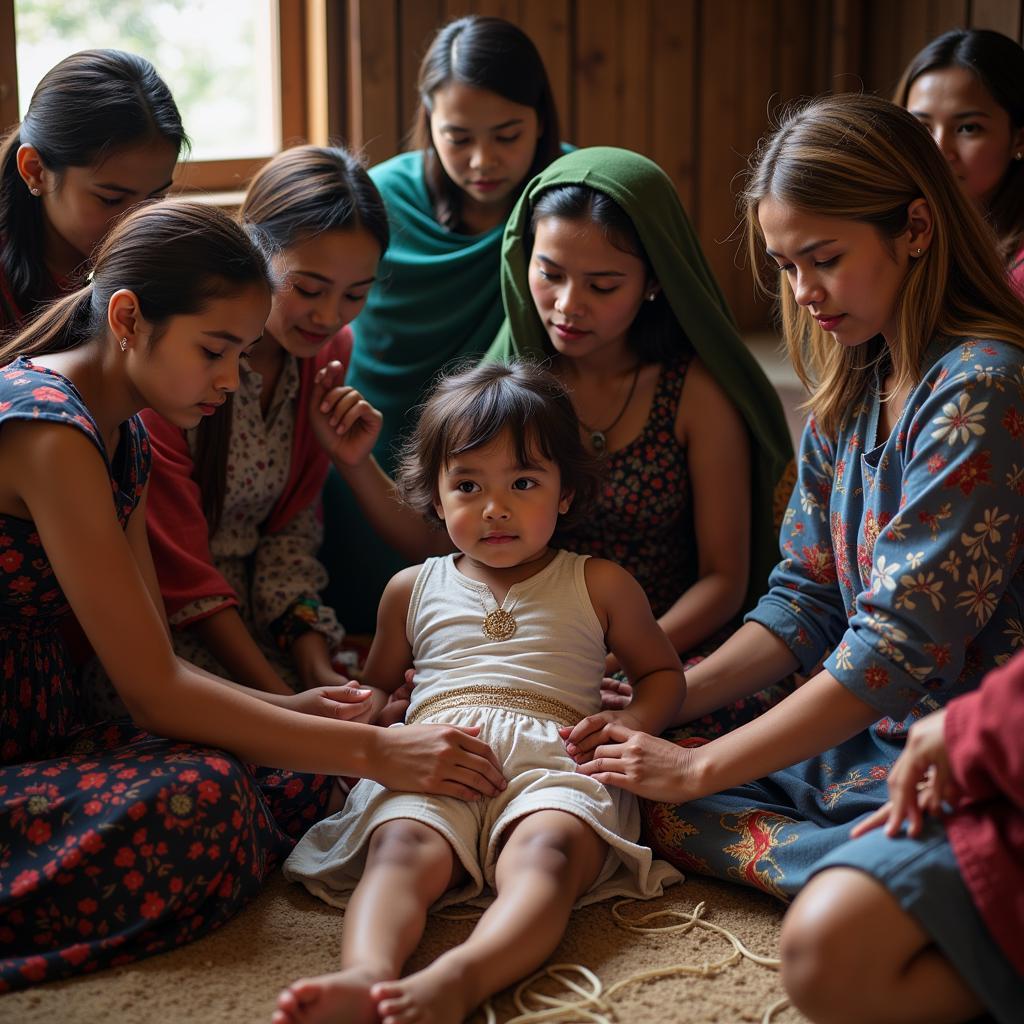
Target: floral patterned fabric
<point x="642" y="518"/>
<point x="114" y="844"/>
<point x="902" y="568"/>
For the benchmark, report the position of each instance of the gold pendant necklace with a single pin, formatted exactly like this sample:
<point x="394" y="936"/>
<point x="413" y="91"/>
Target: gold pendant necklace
<point x="499" y="623"/>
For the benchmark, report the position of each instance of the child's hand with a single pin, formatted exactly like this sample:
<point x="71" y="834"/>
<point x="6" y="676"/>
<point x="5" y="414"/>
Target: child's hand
<point x="398" y="705"/>
<point x="920" y="781"/>
<point x="369" y="713"/>
<point x="345" y="424"/>
<point x="615" y="694"/>
<point x="342" y="702"/>
<point x="586" y="735"/>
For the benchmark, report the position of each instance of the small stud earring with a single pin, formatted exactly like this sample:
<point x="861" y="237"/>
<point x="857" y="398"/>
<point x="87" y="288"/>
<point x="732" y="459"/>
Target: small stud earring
<point x="36" y="191"/>
<point x="917" y="252"/>
<point x="124" y="344"/>
<point x="1019" y="155"/>
<point x="652" y="296"/>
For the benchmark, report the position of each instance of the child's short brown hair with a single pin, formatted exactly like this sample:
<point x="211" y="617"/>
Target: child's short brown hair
<point x="469" y="408"/>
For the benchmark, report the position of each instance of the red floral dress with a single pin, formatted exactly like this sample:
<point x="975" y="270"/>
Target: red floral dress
<point x="114" y="844"/>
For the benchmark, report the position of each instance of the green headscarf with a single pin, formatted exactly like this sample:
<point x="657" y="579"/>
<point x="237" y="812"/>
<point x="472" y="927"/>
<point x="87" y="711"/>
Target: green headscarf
<point x="649" y="198"/>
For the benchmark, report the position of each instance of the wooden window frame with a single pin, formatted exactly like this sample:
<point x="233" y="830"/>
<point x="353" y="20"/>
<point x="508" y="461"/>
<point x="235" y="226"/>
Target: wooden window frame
<point x="308" y="44"/>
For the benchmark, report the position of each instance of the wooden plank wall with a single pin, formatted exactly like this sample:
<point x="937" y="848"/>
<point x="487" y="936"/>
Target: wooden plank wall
<point x="691" y="83"/>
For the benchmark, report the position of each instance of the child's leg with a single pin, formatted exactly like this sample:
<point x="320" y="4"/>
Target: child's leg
<point x="408" y="867"/>
<point x="550" y="858"/>
<point x="850" y="954"/>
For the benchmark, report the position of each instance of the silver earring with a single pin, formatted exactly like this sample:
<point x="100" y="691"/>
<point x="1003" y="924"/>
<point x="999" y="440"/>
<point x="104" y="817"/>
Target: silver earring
<point x="124" y="344"/>
<point x="36" y="191"/>
<point x="652" y="296"/>
<point x="1019" y="155"/>
<point x="917" y="252"/>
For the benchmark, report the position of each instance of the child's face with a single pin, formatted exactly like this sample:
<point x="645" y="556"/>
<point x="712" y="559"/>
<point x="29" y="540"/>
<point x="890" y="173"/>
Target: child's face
<point x="843" y="272"/>
<point x="497" y="511"/>
<point x="972" y="130"/>
<point x="81" y="203"/>
<point x="587" y="292"/>
<point x="325" y="281"/>
<point x="485" y="142"/>
<point x="193" y="365"/>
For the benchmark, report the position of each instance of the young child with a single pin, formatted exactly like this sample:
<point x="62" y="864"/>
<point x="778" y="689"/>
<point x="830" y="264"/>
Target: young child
<point x="947" y="921"/>
<point x="486" y="124"/>
<point x="131" y="837"/>
<point x="508" y="634"/>
<point x="603" y="276"/>
<point x="965" y="87"/>
<point x="233" y="511"/>
<point x="101" y="134"/>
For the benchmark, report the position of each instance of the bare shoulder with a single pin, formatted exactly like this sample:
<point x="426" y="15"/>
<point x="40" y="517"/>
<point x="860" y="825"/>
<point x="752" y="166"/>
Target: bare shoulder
<point x="607" y="582"/>
<point x="705" y="404"/>
<point x="398" y="593"/>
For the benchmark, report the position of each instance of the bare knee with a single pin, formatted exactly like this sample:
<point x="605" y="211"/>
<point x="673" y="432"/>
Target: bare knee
<point x="409" y="845"/>
<point x="557" y="845"/>
<point x="830" y="959"/>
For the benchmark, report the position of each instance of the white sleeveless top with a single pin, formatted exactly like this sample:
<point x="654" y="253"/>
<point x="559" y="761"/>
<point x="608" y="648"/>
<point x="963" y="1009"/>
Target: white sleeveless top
<point x="557" y="651"/>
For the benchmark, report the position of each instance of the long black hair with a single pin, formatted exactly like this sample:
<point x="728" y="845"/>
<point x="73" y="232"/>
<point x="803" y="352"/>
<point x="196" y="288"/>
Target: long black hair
<point x="176" y="256"/>
<point x="998" y="63"/>
<point x="89" y="104"/>
<point x="485" y="53"/>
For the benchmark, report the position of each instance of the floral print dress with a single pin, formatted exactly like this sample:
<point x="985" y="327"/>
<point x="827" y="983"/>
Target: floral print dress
<point x="902" y="568"/>
<point x="114" y="844"/>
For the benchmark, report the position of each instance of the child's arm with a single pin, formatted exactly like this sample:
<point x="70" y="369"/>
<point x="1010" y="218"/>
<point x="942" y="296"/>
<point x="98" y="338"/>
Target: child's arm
<point x="348" y="427"/>
<point x="642" y="648"/>
<point x="390" y="654"/>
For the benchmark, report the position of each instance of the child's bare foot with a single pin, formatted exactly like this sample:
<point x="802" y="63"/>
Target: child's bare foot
<point x="431" y="996"/>
<point x="341" y="998"/>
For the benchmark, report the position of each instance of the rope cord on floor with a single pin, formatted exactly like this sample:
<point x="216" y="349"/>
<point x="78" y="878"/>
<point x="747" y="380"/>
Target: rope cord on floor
<point x="593" y="1005"/>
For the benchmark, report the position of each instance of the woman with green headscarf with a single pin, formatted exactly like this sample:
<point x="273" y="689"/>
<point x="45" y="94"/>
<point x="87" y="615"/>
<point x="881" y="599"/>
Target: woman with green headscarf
<point x="603" y="275"/>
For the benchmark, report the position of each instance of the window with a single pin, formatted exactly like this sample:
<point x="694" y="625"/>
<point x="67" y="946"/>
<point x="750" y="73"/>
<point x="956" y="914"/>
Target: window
<point x="236" y="69"/>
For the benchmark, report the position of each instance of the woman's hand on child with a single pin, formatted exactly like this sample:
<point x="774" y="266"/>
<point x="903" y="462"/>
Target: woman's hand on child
<point x="370" y="712"/>
<point x="342" y="702"/>
<point x="639" y="763"/>
<point x="589" y="732"/>
<point x="345" y="424"/>
<point x="920" y="781"/>
<point x="445" y="760"/>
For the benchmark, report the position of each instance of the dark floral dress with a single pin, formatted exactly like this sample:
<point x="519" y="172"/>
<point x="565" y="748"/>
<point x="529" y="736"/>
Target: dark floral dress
<point x="114" y="844"/>
<point x="643" y="519"/>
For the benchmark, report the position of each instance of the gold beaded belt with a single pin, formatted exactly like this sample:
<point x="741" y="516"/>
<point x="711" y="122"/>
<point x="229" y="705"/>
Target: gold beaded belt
<point x="508" y="698"/>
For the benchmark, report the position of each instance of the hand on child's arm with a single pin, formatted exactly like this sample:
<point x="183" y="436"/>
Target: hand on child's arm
<point x="345" y="424"/>
<point x="590" y="732"/>
<point x="920" y="781"/>
<point x="398" y="705"/>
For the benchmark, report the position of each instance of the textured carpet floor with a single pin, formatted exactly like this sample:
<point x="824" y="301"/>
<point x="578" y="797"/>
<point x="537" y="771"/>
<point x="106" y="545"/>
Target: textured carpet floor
<point x="233" y="976"/>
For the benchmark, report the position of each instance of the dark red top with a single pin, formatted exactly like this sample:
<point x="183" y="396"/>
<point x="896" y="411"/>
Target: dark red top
<point x="985" y="738"/>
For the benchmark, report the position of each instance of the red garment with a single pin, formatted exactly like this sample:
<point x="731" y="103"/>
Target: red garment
<point x="178" y="532"/>
<point x="984" y="733"/>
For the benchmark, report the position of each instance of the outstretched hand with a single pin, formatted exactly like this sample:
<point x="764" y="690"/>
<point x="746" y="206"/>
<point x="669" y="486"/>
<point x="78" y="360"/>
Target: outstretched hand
<point x="920" y="781"/>
<point x="345" y="424"/>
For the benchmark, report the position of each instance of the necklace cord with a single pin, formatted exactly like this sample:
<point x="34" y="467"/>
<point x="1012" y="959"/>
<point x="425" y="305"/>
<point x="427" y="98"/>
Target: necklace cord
<point x="622" y="412"/>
